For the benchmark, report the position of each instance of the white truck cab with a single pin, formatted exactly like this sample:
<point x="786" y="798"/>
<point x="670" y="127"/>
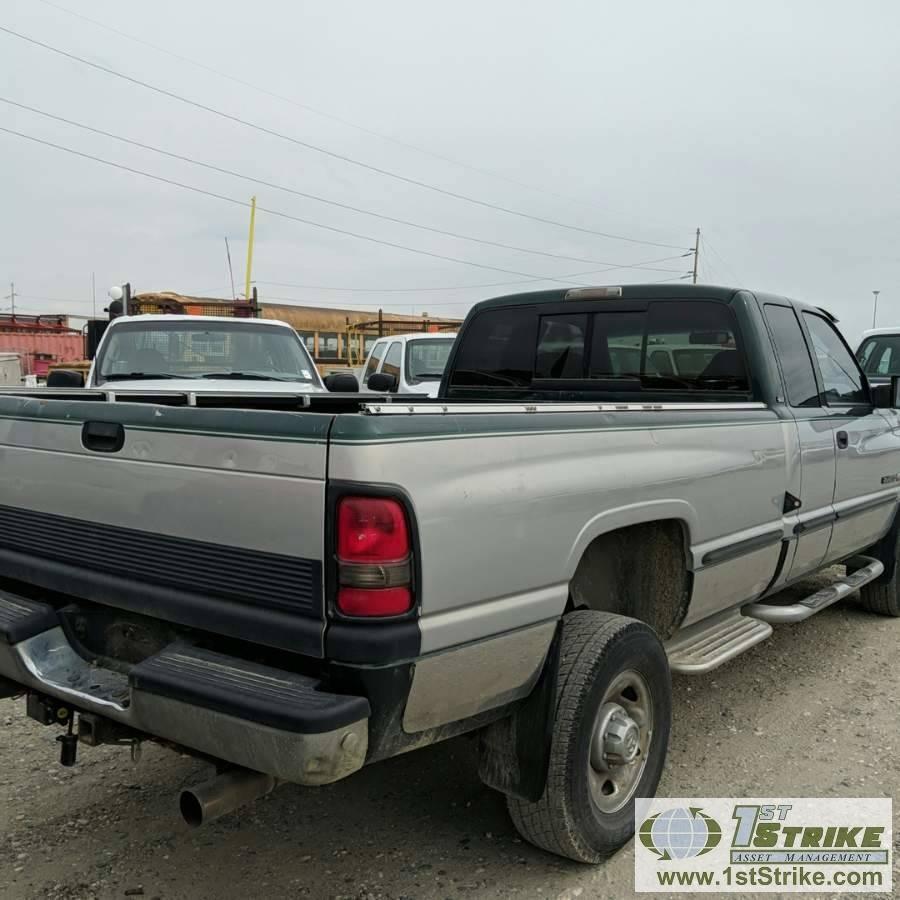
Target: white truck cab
<point x="414" y="362"/>
<point x="202" y="354"/>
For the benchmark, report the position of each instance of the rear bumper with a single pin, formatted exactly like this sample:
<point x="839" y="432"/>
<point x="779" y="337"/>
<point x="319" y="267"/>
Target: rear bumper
<point x="269" y="720"/>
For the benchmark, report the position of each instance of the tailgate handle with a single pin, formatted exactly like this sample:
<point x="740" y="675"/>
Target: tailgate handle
<point x="103" y="437"/>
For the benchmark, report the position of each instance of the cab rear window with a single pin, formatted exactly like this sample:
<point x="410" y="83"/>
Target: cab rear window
<point x="666" y="345"/>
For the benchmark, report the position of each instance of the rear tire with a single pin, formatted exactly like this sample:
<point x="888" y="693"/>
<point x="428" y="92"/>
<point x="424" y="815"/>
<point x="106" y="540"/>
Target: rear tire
<point x="883" y="597"/>
<point x="612" y="670"/>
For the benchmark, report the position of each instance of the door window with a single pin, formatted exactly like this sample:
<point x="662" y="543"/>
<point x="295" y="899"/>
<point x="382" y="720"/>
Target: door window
<point x="841" y="376"/>
<point x="391" y="365"/>
<point x="880" y="356"/>
<point x="793" y="354"/>
<point x="374" y="359"/>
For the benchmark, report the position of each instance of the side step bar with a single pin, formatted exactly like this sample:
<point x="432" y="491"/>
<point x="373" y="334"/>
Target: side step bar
<point x="866" y="570"/>
<point x="708" y="644"/>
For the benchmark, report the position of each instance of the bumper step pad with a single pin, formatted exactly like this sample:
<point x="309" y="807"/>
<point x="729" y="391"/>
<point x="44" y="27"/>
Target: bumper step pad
<point x="283" y="700"/>
<point x="21" y="618"/>
<point x="710" y="643"/>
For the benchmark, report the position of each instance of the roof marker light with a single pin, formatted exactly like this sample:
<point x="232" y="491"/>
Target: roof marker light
<point x="593" y="293"/>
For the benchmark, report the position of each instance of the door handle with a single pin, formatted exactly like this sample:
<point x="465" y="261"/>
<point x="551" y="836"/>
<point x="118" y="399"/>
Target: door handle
<point x="842" y="440"/>
<point x="103" y="437"/>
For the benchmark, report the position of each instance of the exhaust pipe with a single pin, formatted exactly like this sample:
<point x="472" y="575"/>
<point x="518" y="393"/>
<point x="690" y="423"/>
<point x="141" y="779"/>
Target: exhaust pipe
<point x="223" y="794"/>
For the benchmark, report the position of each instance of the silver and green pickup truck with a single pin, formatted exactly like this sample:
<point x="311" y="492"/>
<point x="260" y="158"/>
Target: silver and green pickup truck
<point x="612" y="485"/>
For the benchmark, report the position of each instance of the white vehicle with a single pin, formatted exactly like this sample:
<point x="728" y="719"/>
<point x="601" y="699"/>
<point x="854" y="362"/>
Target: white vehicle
<point x="407" y="363"/>
<point x="879" y="353"/>
<point x="201" y="354"/>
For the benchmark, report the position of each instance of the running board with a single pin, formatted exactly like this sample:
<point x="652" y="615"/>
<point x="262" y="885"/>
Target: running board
<point x="712" y="642"/>
<point x="866" y="570"/>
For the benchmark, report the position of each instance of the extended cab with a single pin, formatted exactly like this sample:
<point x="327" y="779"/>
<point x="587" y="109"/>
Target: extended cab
<point x="296" y="594"/>
<point x="407" y="363"/>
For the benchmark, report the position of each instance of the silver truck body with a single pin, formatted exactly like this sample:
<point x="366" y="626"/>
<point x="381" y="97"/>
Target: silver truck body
<point x="507" y="498"/>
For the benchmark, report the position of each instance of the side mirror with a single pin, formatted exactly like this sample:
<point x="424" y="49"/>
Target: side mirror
<point x="887" y="396"/>
<point x="341" y="383"/>
<point x="65" y="378"/>
<point x="382" y="383"/>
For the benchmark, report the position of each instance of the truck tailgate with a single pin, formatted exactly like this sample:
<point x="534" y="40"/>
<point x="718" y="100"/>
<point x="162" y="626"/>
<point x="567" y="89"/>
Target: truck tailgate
<point x="210" y="518"/>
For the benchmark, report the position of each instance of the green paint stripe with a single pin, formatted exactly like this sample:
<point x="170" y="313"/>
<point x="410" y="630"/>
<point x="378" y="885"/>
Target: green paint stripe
<point x="409" y="439"/>
<point x="238" y="435"/>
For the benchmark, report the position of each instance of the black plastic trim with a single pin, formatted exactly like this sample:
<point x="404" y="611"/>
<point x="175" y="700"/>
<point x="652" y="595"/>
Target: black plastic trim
<point x="21" y="618"/>
<point x="779" y="567"/>
<point x="245" y="621"/>
<point x="815" y="523"/>
<point x="741" y="548"/>
<point x="250" y="691"/>
<point x="235" y="573"/>
<point x="371" y="642"/>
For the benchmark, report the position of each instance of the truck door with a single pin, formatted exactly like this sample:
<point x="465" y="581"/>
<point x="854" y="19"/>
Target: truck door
<point x="811" y="477"/>
<point x="867" y="448"/>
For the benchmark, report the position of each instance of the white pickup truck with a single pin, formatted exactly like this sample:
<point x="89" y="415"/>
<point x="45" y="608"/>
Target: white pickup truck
<point x="297" y="593"/>
<point x="147" y="353"/>
<point x="407" y="363"/>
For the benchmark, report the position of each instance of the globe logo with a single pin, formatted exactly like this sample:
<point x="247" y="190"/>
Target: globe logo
<point x="680" y="833"/>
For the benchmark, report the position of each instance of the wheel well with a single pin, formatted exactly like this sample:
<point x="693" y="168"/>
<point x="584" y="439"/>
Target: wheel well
<point x="639" y="571"/>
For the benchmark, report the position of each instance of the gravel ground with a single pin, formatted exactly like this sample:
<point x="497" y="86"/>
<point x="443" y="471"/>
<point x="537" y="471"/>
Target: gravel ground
<point x="812" y="711"/>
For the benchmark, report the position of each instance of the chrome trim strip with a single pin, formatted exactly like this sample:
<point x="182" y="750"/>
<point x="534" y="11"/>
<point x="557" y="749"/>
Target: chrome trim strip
<point x="441" y="409"/>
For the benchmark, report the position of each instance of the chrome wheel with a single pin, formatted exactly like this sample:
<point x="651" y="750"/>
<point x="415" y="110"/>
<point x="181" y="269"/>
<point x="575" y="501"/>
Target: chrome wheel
<point x="620" y="741"/>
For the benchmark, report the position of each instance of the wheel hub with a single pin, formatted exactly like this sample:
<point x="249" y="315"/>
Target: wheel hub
<point x="617" y="740"/>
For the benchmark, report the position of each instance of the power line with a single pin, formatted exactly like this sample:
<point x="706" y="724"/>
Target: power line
<point x="318" y="199"/>
<point x="330" y="153"/>
<point x="492" y="173"/>
<point x="300" y="301"/>
<point x="458" y="287"/>
<point x="728" y="270"/>
<point x="282" y="215"/>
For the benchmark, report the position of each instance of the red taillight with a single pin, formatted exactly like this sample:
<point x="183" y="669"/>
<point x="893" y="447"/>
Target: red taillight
<point x="373" y="555"/>
<point x="368" y="602"/>
<point x="371" y="529"/>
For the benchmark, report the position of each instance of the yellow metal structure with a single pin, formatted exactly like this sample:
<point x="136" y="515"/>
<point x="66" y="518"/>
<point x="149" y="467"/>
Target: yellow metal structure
<point x="250" y="246"/>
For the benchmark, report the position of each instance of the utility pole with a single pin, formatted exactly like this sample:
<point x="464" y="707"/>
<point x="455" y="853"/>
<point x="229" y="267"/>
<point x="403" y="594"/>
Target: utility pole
<point x="696" y="255"/>
<point x="875" y="308"/>
<point x="250" y="246"/>
<point x="93" y="295"/>
<point x="12" y="298"/>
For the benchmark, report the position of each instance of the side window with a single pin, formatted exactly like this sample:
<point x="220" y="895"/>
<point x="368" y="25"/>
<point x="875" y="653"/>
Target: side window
<point x="560" y="346"/>
<point x="793" y="354"/>
<point x="328" y="345"/>
<point x="840" y="373"/>
<point x="393" y="359"/>
<point x="374" y="359"/>
<point x="498" y="350"/>
<point x="616" y="344"/>
<point x="881" y="355"/>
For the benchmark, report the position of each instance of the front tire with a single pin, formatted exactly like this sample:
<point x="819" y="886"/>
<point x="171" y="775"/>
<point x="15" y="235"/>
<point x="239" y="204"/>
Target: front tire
<point x="610" y="735"/>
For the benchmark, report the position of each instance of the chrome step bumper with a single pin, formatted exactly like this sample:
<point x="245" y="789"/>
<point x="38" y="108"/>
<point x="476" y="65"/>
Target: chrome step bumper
<point x="714" y="641"/>
<point x="866" y="570"/>
<point x="258" y="717"/>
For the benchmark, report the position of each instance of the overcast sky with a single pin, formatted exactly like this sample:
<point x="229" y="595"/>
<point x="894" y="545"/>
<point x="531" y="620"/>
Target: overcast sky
<point x="773" y="126"/>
